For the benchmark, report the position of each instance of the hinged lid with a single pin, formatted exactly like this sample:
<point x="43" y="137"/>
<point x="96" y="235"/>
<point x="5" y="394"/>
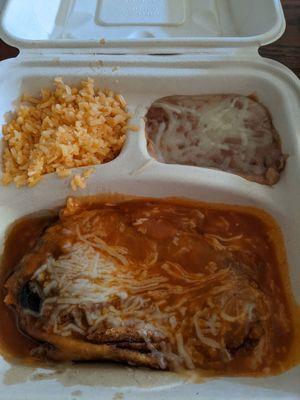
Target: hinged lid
<point x="140" y="26"/>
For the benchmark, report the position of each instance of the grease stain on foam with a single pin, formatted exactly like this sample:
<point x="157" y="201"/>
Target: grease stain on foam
<point x="118" y="396"/>
<point x="17" y="374"/>
<point x="76" y="393"/>
<point x="108" y="375"/>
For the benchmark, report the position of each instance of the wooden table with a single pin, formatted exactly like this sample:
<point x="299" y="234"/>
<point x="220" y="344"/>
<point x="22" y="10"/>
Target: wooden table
<point x="286" y="49"/>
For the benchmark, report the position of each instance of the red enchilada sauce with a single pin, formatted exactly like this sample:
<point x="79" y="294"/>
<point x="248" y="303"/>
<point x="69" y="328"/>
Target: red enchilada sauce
<point x="221" y="273"/>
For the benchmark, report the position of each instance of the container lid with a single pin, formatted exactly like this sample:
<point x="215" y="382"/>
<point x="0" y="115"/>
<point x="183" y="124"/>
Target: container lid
<point x="140" y="26"/>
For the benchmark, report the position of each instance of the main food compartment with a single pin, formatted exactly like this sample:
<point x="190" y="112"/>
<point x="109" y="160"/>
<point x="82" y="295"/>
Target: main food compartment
<point x="158" y="262"/>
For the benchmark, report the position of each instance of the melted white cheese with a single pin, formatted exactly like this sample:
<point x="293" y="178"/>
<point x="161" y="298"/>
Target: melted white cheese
<point x="93" y="287"/>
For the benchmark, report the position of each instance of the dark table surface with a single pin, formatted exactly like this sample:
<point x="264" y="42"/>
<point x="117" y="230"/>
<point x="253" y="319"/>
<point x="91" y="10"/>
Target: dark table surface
<point x="286" y="49"/>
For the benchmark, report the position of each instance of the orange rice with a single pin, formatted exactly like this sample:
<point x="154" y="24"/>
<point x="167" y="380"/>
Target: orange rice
<point x="64" y="128"/>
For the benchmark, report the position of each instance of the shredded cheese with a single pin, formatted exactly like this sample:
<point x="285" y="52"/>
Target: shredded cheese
<point x="94" y="286"/>
<point x="228" y="132"/>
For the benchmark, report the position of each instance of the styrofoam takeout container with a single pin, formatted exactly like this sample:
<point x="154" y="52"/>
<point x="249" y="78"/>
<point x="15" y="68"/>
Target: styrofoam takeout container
<point x="206" y="46"/>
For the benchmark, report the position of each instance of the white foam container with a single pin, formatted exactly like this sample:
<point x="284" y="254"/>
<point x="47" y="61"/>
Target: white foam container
<point x="216" y="42"/>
